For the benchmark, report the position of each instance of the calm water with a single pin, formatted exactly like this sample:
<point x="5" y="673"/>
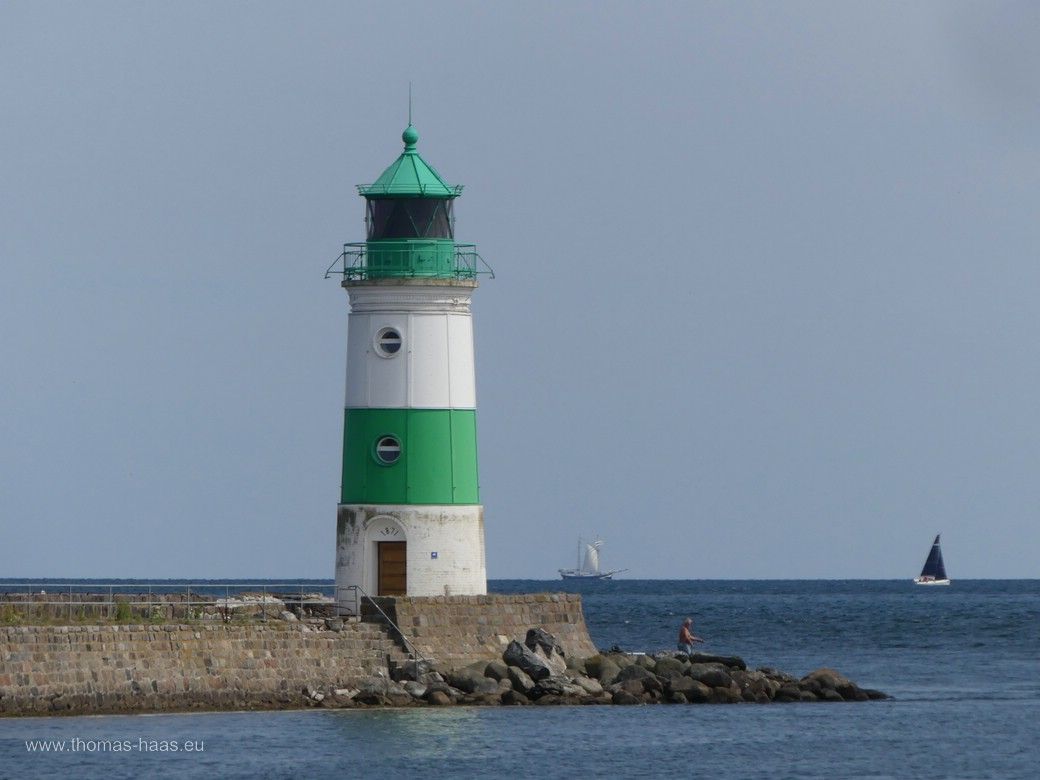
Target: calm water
<point x="961" y="661"/>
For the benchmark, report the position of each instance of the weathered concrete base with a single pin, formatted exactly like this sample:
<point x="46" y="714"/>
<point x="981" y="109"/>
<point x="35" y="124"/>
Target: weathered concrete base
<point x="444" y="548"/>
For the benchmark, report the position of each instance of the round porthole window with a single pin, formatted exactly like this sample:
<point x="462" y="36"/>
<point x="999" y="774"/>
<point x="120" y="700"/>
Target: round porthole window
<point x="388" y="342"/>
<point x="388" y="450"/>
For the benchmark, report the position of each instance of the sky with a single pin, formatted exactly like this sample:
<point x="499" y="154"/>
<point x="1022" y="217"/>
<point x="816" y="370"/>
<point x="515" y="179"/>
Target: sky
<point x="765" y="293"/>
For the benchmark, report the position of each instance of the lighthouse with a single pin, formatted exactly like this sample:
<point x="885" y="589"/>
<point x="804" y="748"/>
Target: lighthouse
<point x="409" y="521"/>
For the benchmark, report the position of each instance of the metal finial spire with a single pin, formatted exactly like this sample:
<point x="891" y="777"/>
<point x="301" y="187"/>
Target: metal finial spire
<point x="409" y="102"/>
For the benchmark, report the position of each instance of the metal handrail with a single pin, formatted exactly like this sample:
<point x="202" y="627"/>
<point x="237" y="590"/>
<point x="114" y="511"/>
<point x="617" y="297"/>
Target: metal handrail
<point x="468" y="262"/>
<point x="155" y="592"/>
<point x="388" y="189"/>
<point x="416" y="655"/>
<point x="179" y="584"/>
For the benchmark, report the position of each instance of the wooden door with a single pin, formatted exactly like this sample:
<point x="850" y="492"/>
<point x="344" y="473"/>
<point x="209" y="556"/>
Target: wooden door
<point x="392" y="569"/>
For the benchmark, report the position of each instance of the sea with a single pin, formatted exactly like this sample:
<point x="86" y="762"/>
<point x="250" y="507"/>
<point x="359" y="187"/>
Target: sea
<point x="961" y="664"/>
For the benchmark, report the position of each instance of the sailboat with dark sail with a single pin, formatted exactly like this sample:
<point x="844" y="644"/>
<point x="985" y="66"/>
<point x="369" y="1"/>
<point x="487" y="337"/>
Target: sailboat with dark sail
<point x="934" y="570"/>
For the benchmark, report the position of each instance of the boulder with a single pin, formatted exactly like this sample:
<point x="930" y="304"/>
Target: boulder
<point x="624" y="697"/>
<point x="608" y="672"/>
<point x="552" y="659"/>
<point x="487" y="686"/>
<point x="372" y="699"/>
<point x="440" y="686"/>
<point x="633" y="672"/>
<point x="380" y="686"/>
<point x="538" y="637"/>
<point x="677" y="698"/>
<point x="505" y="685"/>
<point x="288" y="616"/>
<point x="874" y="695"/>
<point x="634" y="687"/>
<point x="557" y="685"/>
<point x="812" y="686"/>
<point x="411" y="670"/>
<point x="823" y="679"/>
<point x="668" y="666"/>
<point x="652" y="684"/>
<point x="753" y="684"/>
<point x="550" y="698"/>
<point x="520" y="680"/>
<point x="621" y="659"/>
<point x="788" y="692"/>
<point x="438" y="698"/>
<point x="698" y="694"/>
<point x="852" y="692"/>
<point x="496" y="670"/>
<point x="712" y="675"/>
<point x="691" y="689"/>
<point x="590" y="685"/>
<point x="334" y="624"/>
<point x="414" y="689"/>
<point x="469" y="681"/>
<point x="593" y="665"/>
<point x="775" y="674"/>
<point x="576" y="665"/>
<point x="514" y="697"/>
<point x="726" y="695"/>
<point x="829" y="694"/>
<point x="729" y="661"/>
<point x="646" y="661"/>
<point x="526" y="659"/>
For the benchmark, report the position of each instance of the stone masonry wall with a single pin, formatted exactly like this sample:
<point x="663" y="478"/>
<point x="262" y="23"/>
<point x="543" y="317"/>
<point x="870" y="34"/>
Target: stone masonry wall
<point x="459" y="630"/>
<point x="152" y="668"/>
<point x="126" y="668"/>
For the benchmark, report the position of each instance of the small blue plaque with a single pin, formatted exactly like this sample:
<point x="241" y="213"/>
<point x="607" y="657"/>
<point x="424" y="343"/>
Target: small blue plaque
<point x="433" y="555"/>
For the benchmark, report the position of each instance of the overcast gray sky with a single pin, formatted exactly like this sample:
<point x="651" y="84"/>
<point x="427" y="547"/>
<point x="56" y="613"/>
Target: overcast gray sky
<point x="766" y="283"/>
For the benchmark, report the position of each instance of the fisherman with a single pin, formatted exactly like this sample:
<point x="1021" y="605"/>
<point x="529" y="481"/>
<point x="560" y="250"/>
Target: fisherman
<point x="687" y="637"/>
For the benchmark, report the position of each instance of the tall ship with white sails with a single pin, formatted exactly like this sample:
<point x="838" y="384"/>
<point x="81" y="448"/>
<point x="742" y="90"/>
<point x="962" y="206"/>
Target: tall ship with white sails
<point x="588" y="564"/>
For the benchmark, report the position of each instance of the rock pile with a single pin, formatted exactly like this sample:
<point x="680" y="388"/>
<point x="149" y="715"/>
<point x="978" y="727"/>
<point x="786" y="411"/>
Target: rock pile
<point x="537" y="671"/>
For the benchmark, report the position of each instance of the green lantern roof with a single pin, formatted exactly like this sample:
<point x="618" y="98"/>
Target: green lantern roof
<point x="410" y="176"/>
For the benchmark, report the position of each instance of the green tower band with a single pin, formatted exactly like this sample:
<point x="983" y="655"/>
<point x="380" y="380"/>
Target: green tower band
<point x="436" y="462"/>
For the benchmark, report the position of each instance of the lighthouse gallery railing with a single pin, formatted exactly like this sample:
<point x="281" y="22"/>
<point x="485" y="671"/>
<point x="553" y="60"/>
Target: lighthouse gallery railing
<point x="360" y="261"/>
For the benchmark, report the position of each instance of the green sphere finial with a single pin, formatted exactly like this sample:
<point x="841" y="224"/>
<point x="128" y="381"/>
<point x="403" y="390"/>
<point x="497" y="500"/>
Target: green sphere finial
<point x="410" y="136"/>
